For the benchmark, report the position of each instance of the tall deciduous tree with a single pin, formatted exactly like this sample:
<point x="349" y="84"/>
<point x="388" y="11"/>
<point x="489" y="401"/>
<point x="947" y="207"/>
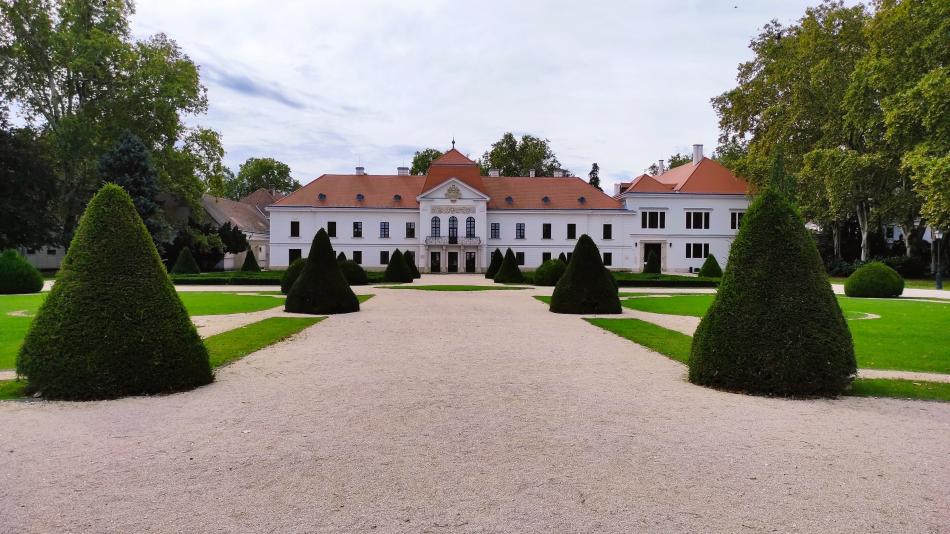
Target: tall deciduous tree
<point x="256" y="173"/>
<point x="423" y="159"/>
<point x="594" y="176"/>
<point x="27" y="190"/>
<point x="514" y="157"/>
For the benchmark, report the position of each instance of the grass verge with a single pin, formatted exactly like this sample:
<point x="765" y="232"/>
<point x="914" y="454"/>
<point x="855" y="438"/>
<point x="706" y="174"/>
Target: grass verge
<point x="453" y="288"/>
<point x="900" y="389"/>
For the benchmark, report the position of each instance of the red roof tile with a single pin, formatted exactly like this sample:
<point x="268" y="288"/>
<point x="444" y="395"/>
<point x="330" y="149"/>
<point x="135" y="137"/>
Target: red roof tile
<point x="648" y="184"/>
<point x="561" y="193"/>
<point x="708" y="177"/>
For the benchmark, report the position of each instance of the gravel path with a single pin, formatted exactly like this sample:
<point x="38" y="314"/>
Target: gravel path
<point x="470" y="412"/>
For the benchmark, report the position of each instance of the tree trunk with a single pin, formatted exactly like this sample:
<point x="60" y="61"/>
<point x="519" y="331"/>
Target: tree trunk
<point x="836" y="239"/>
<point x="862" y="210"/>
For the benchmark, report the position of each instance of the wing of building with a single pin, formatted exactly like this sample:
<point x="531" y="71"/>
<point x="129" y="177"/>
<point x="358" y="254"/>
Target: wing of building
<point x="250" y="215"/>
<point x="452" y="218"/>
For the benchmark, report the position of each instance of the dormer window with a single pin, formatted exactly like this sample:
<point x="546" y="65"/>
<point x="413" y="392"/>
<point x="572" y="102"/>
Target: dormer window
<point x="321" y="196"/>
<point x="546" y="200"/>
<point x="359" y="197"/>
<point x="397" y="198"/>
<point x="581" y="199"/>
<point x="509" y="200"/>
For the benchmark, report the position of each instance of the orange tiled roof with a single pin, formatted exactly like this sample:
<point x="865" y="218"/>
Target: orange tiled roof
<point x="453" y="164"/>
<point x="648" y="184"/>
<point x="561" y="193"/>
<point x="708" y="177"/>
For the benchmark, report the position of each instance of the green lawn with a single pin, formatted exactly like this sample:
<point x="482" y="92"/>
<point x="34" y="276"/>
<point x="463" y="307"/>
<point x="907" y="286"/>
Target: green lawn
<point x="223" y="348"/>
<point x="453" y="288"/>
<point x="919" y="283"/>
<point x="676" y="346"/>
<point x="910" y="335"/>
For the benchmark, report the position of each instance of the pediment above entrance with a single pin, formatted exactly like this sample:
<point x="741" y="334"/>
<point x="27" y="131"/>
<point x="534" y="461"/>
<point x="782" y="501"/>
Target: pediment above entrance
<point x="452" y="191"/>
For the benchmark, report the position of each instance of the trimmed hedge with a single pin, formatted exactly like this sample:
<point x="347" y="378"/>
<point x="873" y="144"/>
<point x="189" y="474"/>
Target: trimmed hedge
<point x="353" y="272"/>
<point x="653" y="263"/>
<point x="291" y="274"/>
<point x="17" y="275"/>
<point x="549" y="273"/>
<point x="411" y="263"/>
<point x="321" y="288"/>
<point x="710" y="268"/>
<point x="229" y="278"/>
<point x="509" y="273"/>
<point x="774" y="327"/>
<point x="186" y="264"/>
<point x="587" y="286"/>
<point x="113" y="324"/>
<point x="495" y="264"/>
<point x="397" y="271"/>
<point x="874" y="279"/>
<point x="250" y="262"/>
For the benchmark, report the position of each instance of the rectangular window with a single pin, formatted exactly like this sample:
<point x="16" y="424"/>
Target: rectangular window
<point x="31" y="251"/>
<point x="496" y="230"/>
<point x="736" y="222"/>
<point x="608" y="258"/>
<point x="331" y="228"/>
<point x="520" y="257"/>
<point x="653" y="219"/>
<point x="572" y="231"/>
<point x="294" y="228"/>
<point x="697" y="220"/>
<point x="357" y="229"/>
<point x="697" y="250"/>
<point x="410" y="230"/>
<point x="519" y="231"/>
<point x="384" y="257"/>
<point x="608" y="231"/>
<point x="358" y="257"/>
<point x="545" y="256"/>
<point x="293" y="256"/>
<point x="546" y="231"/>
<point x="384" y="229"/>
<point x="51" y="251"/>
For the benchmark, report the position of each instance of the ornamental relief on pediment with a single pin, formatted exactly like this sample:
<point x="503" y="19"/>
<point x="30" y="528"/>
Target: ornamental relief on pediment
<point x="453" y="209"/>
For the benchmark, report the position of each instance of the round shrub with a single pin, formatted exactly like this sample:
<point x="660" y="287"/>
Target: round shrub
<point x="653" y="263"/>
<point x="509" y="273"/>
<point x="586" y="286"/>
<point x="874" y="279"/>
<point x="495" y="264"/>
<point x="710" y="268"/>
<point x="774" y="327"/>
<point x="113" y="324"/>
<point x="354" y="274"/>
<point x="321" y="288"/>
<point x="397" y="271"/>
<point x="186" y="264"/>
<point x="17" y="275"/>
<point x="549" y="273"/>
<point x="411" y="263"/>
<point x="291" y="274"/>
<point x="250" y="262"/>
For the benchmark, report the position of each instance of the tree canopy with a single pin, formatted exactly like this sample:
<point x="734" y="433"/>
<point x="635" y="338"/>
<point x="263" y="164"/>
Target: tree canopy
<point x="594" y="176"/>
<point x="28" y="190"/>
<point x="257" y="173"/>
<point x="517" y="157"/>
<point x="423" y="159"/>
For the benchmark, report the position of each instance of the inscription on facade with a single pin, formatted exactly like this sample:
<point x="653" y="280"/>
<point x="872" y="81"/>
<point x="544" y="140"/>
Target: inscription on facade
<point x="453" y="209"/>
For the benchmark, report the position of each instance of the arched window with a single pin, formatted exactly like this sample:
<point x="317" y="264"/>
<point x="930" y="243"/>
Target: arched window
<point x="470" y="227"/>
<point x="453" y="227"/>
<point x="436" y="227"/>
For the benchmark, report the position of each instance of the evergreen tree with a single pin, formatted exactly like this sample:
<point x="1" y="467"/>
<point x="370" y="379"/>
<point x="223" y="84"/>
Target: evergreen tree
<point x="113" y="324"/>
<point x="186" y="264"/>
<point x="321" y="287"/>
<point x="594" y="176"/>
<point x="495" y="264"/>
<point x="291" y="274"/>
<point x="562" y="258"/>
<point x="397" y="271"/>
<point x="775" y="327"/>
<point x="710" y="268"/>
<point x="341" y="257"/>
<point x="509" y="273"/>
<point x="653" y="263"/>
<point x="586" y="286"/>
<point x="17" y="275"/>
<point x="411" y="263"/>
<point x="250" y="262"/>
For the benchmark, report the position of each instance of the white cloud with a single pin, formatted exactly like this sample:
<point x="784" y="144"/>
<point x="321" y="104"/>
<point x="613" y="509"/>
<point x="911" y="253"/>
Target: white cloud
<point x="325" y="85"/>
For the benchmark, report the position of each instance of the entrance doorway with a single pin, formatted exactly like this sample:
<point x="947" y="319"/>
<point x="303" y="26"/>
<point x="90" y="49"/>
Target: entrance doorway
<point x="453" y="262"/>
<point x="655" y="248"/>
<point x="435" y="262"/>
<point x="470" y="262"/>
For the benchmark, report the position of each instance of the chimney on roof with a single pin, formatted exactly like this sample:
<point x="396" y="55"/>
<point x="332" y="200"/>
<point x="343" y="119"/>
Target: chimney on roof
<point x="697" y="154"/>
<point x="360" y="171"/>
<point x="531" y="173"/>
<point x="494" y="173"/>
<point x="559" y="173"/>
<point x="402" y="171"/>
<point x="661" y="168"/>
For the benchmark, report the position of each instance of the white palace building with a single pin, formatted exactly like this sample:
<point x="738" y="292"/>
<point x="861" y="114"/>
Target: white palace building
<point x="452" y="218"/>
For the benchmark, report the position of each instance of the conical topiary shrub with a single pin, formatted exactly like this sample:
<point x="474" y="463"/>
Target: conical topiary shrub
<point x="411" y="263"/>
<point x="586" y="286"/>
<point x="185" y="264"/>
<point x="17" y="275"/>
<point x="340" y="257"/>
<point x="494" y="264"/>
<point x="113" y="324"/>
<point x="775" y="327"/>
<point x="509" y="273"/>
<point x="291" y="274"/>
<point x="874" y="279"/>
<point x="250" y="262"/>
<point x="710" y="268"/>
<point x="397" y="271"/>
<point x="562" y="258"/>
<point x="653" y="263"/>
<point x="549" y="272"/>
<point x="321" y="288"/>
<point x="354" y="274"/>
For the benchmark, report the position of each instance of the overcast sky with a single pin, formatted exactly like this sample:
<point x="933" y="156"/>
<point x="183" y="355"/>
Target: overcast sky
<point x="326" y="85"/>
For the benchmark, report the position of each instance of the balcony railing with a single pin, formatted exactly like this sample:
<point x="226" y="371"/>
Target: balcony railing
<point x="446" y="240"/>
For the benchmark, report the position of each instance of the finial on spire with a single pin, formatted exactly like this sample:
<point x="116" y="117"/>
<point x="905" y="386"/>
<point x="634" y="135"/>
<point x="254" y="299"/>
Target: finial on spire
<point x="453" y="141"/>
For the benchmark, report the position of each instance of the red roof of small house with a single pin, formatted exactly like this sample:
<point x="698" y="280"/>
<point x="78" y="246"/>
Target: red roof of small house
<point x="706" y="177"/>
<point x="648" y="184"/>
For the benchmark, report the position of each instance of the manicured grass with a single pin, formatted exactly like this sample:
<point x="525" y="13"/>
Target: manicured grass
<point x="11" y="389"/>
<point x="363" y="298"/>
<point x="221" y="303"/>
<point x="666" y="342"/>
<point x="913" y="283"/>
<point x="695" y="305"/>
<point x="543" y="298"/>
<point x="677" y="347"/>
<point x="454" y="288"/>
<point x="235" y="344"/>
